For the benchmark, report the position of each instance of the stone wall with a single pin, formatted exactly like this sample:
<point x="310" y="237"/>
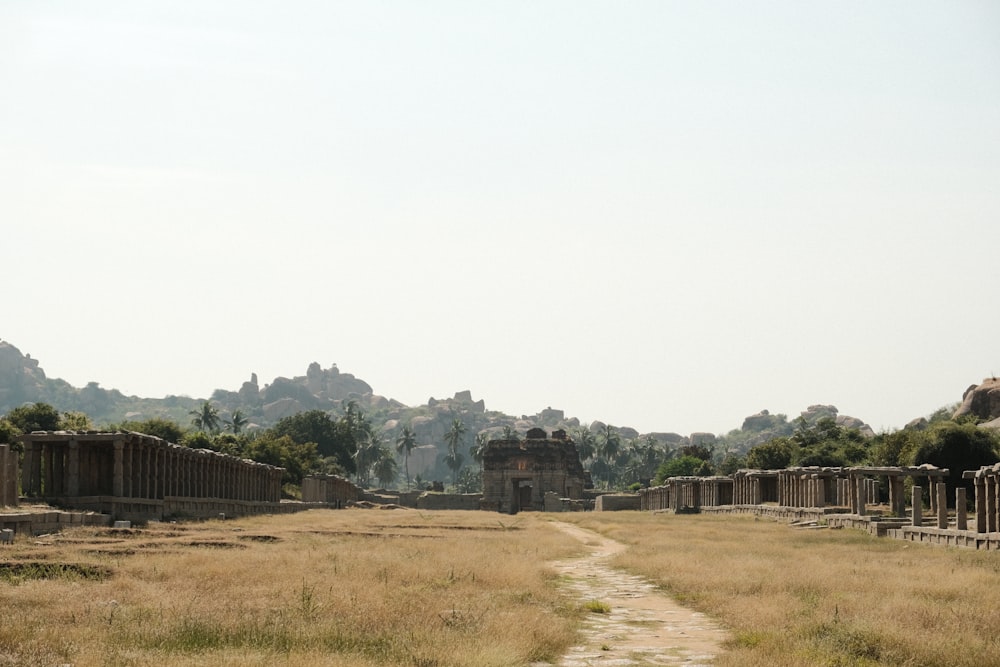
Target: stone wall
<point x="38" y="523"/>
<point x="332" y="489"/>
<point x="430" y="500"/>
<point x="616" y="502"/>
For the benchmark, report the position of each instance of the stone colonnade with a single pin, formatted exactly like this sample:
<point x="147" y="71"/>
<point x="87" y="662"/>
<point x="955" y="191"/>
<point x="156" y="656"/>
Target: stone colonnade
<point x="63" y="465"/>
<point x="862" y="488"/>
<point x="811" y="486"/>
<point x="818" y="487"/>
<point x="8" y="476"/>
<point x="986" y="482"/>
<point x="755" y="487"/>
<point x="332" y="489"/>
<point x="679" y="493"/>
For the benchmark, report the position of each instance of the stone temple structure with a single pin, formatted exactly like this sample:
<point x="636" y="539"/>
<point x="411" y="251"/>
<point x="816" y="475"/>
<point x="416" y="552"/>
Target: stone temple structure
<point x="518" y="473"/>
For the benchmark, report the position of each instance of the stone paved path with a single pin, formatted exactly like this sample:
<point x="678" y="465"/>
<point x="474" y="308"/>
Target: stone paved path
<point x="643" y="627"/>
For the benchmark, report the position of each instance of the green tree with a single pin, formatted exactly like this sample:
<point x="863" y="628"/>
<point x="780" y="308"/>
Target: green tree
<point x="75" y="421"/>
<point x="165" y="429"/>
<point x="454" y="459"/>
<point x="682" y="466"/>
<point x="608" y="448"/>
<point x="236" y="422"/>
<point x="205" y="418"/>
<point x="333" y="438"/>
<point x="9" y="433"/>
<point x="367" y="453"/>
<point x="586" y="443"/>
<point x="406" y="441"/>
<point x="298" y="459"/>
<point x="897" y="448"/>
<point x="772" y="455"/>
<point x="34" y="417"/>
<point x="385" y="467"/>
<point x="478" y="449"/>
<point x="957" y="447"/>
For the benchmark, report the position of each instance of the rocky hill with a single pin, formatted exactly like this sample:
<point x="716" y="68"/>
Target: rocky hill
<point x="23" y="380"/>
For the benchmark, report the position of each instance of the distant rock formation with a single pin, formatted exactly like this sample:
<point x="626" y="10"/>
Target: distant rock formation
<point x="981" y="401"/>
<point x="21" y="378"/>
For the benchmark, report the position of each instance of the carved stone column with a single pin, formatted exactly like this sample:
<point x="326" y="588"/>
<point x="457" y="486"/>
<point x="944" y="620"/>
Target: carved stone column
<point x="942" y="505"/>
<point x="118" y="482"/>
<point x="981" y="507"/>
<point x="918" y="506"/>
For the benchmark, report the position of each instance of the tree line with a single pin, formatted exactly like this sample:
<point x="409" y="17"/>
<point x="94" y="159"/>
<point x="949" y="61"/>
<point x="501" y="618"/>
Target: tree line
<point x="346" y="442"/>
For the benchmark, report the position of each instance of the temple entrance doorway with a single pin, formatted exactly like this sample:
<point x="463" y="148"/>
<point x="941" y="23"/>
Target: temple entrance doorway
<point x="521" y="497"/>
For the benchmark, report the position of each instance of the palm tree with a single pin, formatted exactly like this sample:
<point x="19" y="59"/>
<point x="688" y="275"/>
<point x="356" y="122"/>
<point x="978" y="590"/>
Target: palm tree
<point x="205" y="418"/>
<point x="608" y="448"/>
<point x="385" y="467"/>
<point x="586" y="443"/>
<point x="367" y="454"/>
<point x="406" y="441"/>
<point x="478" y="449"/>
<point x="237" y="422"/>
<point x="453" y="437"/>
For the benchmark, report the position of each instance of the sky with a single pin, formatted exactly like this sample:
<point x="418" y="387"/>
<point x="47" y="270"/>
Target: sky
<point x="663" y="215"/>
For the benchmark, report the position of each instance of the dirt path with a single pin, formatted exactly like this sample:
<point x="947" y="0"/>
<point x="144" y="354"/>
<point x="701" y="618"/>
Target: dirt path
<point x="643" y="626"/>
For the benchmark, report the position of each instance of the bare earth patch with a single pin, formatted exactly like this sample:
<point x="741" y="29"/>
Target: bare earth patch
<point x="631" y="623"/>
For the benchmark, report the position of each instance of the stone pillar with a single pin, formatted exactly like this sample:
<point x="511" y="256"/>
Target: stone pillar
<point x="897" y="499"/>
<point x="918" y="506"/>
<point x="961" y="520"/>
<point x="862" y="499"/>
<point x="118" y="484"/>
<point x="73" y="473"/>
<point x="980" y="504"/>
<point x="29" y="485"/>
<point x="58" y="478"/>
<point x="942" y="505"/>
<point x="931" y="496"/>
<point x="991" y="504"/>
<point x="8" y="481"/>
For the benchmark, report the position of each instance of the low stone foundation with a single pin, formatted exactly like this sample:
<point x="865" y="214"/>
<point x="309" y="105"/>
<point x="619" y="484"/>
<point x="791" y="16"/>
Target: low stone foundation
<point x="617" y="502"/>
<point x="32" y="523"/>
<point x="430" y="500"/>
<point x="553" y="503"/>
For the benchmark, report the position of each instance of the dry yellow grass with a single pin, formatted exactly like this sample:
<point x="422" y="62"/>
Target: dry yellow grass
<point x="444" y="589"/>
<point x="331" y="588"/>
<point x="818" y="597"/>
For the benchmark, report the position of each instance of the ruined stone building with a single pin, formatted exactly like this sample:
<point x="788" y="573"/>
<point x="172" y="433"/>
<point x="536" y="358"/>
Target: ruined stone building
<point x="140" y="477"/>
<point x="518" y="473"/>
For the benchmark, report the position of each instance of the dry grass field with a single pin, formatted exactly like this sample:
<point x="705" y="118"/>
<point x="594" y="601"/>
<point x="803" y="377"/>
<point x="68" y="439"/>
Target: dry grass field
<point x="441" y="589"/>
<point x="350" y="588"/>
<point x="817" y="597"/>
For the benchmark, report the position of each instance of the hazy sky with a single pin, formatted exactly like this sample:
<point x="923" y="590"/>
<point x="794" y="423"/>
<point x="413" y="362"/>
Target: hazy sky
<point x="667" y="215"/>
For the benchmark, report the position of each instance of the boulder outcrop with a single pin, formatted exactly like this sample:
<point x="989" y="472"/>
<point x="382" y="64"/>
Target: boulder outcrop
<point x="981" y="401"/>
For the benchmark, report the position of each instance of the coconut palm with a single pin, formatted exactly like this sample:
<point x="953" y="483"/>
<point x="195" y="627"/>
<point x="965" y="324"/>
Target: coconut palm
<point x="453" y="459"/>
<point x="206" y="418"/>
<point x="236" y="422"/>
<point x="367" y="454"/>
<point x="385" y="467"/>
<point x="406" y="441"/>
<point x="478" y="449"/>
